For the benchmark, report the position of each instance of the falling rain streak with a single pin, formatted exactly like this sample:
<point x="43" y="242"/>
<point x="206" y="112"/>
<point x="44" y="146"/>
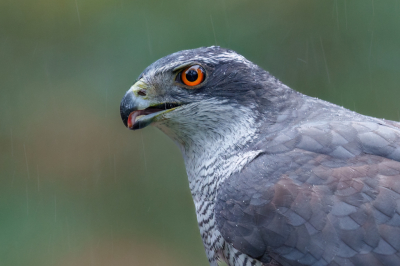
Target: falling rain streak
<point x="77" y="10"/>
<point x="326" y="64"/>
<point x="27" y="200"/>
<point x="26" y="161"/>
<point x="55" y="208"/>
<point x="12" y="143"/>
<point x="213" y="29"/>
<point x="38" y="178"/>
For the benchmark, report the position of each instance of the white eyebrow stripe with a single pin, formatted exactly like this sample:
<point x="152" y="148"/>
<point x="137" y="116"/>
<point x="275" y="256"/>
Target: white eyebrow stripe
<point x="183" y="65"/>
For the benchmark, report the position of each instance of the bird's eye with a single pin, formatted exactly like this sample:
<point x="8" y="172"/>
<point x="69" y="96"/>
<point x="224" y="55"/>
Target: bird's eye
<point x="192" y="76"/>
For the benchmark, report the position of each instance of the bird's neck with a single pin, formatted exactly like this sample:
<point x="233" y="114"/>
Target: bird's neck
<point x="215" y="147"/>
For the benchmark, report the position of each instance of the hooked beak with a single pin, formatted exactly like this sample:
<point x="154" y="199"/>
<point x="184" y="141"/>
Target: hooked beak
<point x="138" y="111"/>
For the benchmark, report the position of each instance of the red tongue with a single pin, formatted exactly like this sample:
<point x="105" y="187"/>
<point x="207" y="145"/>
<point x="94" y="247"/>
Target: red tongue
<point x="132" y="118"/>
<point x="134" y="114"/>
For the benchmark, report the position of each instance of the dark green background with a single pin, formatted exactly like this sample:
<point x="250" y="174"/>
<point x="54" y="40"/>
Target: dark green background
<point x="77" y="187"/>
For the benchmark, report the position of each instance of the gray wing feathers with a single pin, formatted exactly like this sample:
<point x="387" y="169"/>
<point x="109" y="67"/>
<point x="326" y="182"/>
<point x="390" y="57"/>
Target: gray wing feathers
<point x="322" y="194"/>
<point x="338" y="139"/>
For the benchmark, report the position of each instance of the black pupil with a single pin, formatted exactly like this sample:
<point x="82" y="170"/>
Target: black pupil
<point x="192" y="75"/>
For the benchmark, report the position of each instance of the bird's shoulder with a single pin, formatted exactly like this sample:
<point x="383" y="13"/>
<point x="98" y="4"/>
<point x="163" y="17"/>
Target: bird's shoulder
<point x="321" y="192"/>
<point x="339" y="139"/>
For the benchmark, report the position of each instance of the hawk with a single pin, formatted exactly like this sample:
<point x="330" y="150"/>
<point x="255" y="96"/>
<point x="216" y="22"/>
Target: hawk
<point x="277" y="177"/>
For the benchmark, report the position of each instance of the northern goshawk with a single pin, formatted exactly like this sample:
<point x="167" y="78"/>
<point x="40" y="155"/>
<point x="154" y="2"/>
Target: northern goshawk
<point x="277" y="177"/>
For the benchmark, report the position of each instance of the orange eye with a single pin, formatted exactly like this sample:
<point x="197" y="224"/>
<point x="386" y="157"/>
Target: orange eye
<point x="193" y="75"/>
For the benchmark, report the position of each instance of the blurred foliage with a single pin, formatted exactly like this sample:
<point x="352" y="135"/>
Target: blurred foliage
<point x="77" y="187"/>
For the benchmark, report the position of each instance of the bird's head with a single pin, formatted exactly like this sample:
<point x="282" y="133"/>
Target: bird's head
<point x="206" y="89"/>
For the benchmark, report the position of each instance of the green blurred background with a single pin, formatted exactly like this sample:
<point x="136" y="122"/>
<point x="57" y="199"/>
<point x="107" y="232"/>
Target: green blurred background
<point x="77" y="187"/>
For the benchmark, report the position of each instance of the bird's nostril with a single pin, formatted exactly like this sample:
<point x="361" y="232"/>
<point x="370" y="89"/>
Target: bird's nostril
<point x="142" y="93"/>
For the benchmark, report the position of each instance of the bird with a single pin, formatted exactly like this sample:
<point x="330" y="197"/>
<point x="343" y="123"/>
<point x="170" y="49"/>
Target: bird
<point x="277" y="177"/>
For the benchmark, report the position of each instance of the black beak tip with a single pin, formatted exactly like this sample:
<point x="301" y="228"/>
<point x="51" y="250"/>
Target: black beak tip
<point x="125" y="110"/>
